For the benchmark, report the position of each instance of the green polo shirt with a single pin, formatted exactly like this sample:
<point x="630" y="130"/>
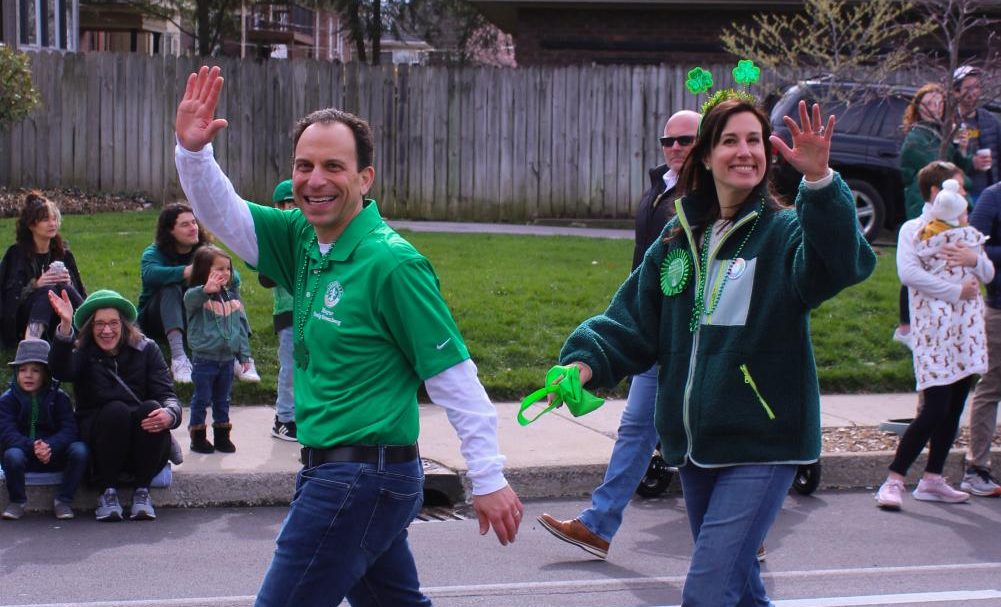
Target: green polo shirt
<point x="375" y="326"/>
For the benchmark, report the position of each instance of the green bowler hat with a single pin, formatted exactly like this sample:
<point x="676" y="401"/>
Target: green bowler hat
<point x="105" y="298"/>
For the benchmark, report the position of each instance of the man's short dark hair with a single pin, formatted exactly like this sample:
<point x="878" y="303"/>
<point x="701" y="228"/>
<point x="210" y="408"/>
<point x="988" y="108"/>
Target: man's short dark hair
<point x="933" y="174"/>
<point x="364" y="143"/>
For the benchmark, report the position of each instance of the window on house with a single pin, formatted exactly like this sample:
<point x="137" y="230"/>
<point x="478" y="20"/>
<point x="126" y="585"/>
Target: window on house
<point x="47" y="24"/>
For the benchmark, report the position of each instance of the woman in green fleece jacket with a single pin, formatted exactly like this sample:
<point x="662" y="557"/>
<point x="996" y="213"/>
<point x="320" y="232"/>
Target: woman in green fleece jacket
<point x="722" y="303"/>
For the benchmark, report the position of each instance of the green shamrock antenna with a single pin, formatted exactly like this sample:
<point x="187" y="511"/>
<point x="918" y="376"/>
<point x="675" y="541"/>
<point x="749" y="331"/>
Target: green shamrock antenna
<point x="699" y="81"/>
<point x="746" y="73"/>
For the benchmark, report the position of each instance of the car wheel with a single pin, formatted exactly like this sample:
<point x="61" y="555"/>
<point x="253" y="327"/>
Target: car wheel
<point x="869" y="207"/>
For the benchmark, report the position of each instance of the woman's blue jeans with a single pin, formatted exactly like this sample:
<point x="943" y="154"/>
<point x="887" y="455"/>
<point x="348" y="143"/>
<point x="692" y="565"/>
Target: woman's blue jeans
<point x="345" y="535"/>
<point x="730" y="510"/>
<point x="630" y="458"/>
<point x="213" y="383"/>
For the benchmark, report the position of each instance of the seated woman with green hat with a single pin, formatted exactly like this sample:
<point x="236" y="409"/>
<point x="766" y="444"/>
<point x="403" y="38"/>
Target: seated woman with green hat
<point x="125" y="400"/>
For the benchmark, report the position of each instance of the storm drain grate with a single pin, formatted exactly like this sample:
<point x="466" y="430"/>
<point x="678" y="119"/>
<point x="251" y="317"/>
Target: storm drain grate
<point x="439" y="514"/>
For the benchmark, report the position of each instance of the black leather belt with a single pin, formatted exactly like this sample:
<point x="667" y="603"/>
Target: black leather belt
<point x="367" y="454"/>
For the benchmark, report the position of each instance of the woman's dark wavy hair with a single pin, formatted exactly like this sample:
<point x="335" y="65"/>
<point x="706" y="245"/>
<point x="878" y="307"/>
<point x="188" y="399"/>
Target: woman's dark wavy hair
<point x="695" y="180"/>
<point x="130" y="335"/>
<point x="38" y="208"/>
<point x="165" y="223"/>
<point x="201" y="264"/>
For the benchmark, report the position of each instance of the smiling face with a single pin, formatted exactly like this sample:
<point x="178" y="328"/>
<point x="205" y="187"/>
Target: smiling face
<point x="327" y="184"/>
<point x="185" y="232"/>
<point x="107" y="329"/>
<point x="737" y="161"/>
<point x="30" y="377"/>
<point x="932" y="106"/>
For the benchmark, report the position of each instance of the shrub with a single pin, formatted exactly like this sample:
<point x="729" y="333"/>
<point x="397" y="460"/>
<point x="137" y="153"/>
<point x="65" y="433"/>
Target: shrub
<point x="18" y="95"/>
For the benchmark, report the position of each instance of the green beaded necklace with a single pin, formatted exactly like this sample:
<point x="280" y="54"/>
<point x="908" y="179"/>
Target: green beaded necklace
<point x="699" y="308"/>
<point x="299" y="351"/>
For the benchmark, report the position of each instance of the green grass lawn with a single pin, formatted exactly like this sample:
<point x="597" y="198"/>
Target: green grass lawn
<point x="515" y="299"/>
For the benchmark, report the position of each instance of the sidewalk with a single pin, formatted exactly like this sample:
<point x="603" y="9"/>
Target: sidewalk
<point x="557" y="456"/>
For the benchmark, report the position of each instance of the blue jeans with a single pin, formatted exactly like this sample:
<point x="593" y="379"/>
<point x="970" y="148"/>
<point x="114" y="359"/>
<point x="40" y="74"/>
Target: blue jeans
<point x="213" y="382"/>
<point x="285" y="402"/>
<point x="730" y="511"/>
<point x="72" y="461"/>
<point x="345" y="535"/>
<point x="630" y="458"/>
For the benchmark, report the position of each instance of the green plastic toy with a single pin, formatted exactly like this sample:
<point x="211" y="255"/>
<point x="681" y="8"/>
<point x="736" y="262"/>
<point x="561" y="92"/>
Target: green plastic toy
<point x="564" y="383"/>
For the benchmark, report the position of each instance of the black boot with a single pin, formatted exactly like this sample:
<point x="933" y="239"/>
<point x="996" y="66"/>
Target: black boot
<point x="200" y="444"/>
<point x="220" y="433"/>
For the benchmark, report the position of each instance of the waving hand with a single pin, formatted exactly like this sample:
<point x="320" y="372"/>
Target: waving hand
<point x="196" y="124"/>
<point x="811" y="143"/>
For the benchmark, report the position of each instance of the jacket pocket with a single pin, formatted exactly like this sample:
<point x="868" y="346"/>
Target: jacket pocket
<point x="757" y="393"/>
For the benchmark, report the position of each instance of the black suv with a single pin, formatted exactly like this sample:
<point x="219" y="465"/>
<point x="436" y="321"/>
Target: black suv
<point x="865" y="148"/>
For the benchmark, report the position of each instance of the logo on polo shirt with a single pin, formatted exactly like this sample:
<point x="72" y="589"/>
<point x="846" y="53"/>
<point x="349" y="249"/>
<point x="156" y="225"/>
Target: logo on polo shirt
<point x="333" y="294"/>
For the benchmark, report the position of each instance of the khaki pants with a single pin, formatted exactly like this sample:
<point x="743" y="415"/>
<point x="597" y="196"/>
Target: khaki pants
<point x="984" y="411"/>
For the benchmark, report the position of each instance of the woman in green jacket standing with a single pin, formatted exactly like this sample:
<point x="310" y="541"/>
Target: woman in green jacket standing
<point x="923" y="138"/>
<point x="722" y="303"/>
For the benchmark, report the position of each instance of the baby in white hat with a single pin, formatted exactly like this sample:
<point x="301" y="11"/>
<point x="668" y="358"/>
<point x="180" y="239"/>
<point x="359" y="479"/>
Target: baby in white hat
<point x="949" y="210"/>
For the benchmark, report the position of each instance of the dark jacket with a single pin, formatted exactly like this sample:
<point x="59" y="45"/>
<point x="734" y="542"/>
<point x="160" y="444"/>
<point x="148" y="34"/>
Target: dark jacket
<point x="656" y="207"/>
<point x="56" y="424"/>
<point x="17" y="270"/>
<point x="990" y="137"/>
<point x="986" y="217"/>
<point x="91" y="370"/>
<point x="742" y="388"/>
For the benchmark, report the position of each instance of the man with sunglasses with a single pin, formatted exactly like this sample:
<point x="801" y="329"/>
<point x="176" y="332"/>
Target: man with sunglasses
<point x="594" y="528"/>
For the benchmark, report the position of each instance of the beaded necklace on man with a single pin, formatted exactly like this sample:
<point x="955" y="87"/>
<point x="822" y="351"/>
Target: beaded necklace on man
<point x="700" y="287"/>
<point x="299" y="351"/>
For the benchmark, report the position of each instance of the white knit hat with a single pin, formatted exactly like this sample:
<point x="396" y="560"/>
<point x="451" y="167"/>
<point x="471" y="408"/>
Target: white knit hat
<point x="949" y="204"/>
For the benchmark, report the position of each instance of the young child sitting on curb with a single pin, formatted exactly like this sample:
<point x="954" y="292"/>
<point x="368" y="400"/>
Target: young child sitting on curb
<point x="38" y="431"/>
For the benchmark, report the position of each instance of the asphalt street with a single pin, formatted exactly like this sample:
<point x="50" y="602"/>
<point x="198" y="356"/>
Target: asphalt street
<point x="831" y="549"/>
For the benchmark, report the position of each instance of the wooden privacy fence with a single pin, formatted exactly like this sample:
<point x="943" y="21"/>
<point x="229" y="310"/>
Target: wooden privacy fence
<point x="470" y="144"/>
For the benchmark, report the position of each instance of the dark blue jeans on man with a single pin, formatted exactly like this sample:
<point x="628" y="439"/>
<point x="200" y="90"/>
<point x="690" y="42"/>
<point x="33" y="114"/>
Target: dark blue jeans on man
<point x="213" y="383"/>
<point x="730" y="510"/>
<point x="72" y="461"/>
<point x="345" y="535"/>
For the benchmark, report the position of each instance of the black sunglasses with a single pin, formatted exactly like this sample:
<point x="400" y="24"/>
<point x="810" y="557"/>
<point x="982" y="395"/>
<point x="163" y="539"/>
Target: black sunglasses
<point x="684" y="141"/>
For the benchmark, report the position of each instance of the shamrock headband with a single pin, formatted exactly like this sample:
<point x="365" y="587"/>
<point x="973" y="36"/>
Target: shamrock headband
<point x="700" y="81"/>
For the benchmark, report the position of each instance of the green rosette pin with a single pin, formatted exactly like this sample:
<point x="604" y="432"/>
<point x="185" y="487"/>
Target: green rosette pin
<point x="675" y="272"/>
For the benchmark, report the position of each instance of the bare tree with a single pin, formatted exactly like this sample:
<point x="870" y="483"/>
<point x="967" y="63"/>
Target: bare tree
<point x="838" y="39"/>
<point x="957" y="23"/>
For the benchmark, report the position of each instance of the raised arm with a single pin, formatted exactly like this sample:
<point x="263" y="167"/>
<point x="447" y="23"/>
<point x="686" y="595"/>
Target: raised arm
<point x="212" y="196"/>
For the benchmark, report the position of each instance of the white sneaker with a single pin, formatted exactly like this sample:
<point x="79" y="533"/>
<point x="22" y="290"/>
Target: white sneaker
<point x="890" y="495"/>
<point x="180" y="368"/>
<point x="250" y="375"/>
<point x="905" y="338"/>
<point x="938" y="490"/>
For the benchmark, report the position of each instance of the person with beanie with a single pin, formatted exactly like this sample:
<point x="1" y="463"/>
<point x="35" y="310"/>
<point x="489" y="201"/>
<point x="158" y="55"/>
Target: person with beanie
<point x="950" y="342"/>
<point x="38" y="431"/>
<point x="125" y="400"/>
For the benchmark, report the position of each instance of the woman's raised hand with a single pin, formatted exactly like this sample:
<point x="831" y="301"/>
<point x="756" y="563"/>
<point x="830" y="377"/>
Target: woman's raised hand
<point x="63" y="308"/>
<point x="811" y="143"/>
<point x="196" y="124"/>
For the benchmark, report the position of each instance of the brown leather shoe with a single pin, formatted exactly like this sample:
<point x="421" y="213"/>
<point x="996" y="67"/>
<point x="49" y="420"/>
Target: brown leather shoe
<point x="576" y="533"/>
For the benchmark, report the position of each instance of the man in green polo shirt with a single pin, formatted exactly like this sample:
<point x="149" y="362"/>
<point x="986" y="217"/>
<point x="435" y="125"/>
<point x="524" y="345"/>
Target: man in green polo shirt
<point x="369" y="326"/>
